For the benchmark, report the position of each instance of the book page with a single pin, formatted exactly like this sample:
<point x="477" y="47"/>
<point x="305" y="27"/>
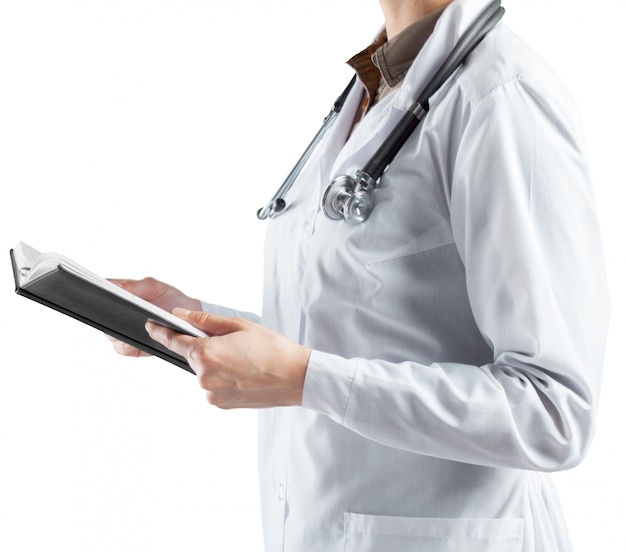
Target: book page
<point x="31" y="264"/>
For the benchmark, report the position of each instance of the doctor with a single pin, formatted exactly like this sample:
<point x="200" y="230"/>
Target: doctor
<point x="421" y="373"/>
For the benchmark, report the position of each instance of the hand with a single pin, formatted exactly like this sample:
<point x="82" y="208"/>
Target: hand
<point x="158" y="293"/>
<point x="242" y="364"/>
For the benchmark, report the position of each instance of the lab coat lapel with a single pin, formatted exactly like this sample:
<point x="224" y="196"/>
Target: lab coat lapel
<point x="365" y="140"/>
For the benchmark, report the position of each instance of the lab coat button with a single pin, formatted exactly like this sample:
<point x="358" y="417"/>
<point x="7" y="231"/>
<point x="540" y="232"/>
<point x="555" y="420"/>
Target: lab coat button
<point x="281" y="493"/>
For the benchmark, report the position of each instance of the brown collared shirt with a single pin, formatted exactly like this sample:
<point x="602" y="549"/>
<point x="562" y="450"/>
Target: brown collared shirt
<point x="382" y="66"/>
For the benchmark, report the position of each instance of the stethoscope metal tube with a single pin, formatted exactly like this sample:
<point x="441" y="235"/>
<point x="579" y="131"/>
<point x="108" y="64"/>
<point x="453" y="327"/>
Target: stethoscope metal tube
<point x="277" y="203"/>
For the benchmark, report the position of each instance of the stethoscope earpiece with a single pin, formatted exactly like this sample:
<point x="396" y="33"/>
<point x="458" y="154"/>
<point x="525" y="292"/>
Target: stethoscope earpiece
<point x="278" y="205"/>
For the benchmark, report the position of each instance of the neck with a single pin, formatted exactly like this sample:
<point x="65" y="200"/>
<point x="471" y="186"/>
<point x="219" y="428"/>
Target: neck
<point x="400" y="14"/>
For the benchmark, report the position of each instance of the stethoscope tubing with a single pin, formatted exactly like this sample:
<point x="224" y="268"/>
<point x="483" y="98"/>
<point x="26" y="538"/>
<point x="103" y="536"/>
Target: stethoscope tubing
<point x="367" y="178"/>
<point x="386" y="153"/>
<point x="277" y="203"/>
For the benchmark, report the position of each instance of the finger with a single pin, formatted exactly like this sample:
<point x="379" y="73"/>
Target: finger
<point x="131" y="286"/>
<point x="213" y="324"/>
<point x="123" y="283"/>
<point x="172" y="340"/>
<point x="124" y="348"/>
<point x="142" y="288"/>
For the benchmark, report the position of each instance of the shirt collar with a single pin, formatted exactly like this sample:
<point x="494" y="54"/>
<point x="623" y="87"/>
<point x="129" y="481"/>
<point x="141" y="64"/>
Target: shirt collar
<point x="383" y="64"/>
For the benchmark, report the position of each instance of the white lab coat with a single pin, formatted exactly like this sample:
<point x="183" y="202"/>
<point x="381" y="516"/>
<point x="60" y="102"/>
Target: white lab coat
<point x="458" y="334"/>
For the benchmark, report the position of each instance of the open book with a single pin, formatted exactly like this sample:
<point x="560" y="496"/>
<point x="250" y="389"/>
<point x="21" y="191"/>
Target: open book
<point x="61" y="284"/>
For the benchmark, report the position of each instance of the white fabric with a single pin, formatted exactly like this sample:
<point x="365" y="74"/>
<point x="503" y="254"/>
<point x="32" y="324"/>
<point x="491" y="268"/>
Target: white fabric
<point x="458" y="334"/>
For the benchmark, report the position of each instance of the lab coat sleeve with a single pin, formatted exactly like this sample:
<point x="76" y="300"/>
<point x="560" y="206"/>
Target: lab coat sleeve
<point x="524" y="223"/>
<point x="225" y="311"/>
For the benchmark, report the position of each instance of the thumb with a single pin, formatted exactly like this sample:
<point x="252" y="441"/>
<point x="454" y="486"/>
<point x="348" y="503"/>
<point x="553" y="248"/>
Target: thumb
<point x="213" y="324"/>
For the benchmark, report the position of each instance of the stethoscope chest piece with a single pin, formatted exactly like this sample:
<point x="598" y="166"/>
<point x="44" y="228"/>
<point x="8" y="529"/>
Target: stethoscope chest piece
<point x="348" y="198"/>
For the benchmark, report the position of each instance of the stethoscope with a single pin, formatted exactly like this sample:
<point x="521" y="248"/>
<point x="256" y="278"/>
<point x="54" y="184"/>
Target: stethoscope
<point x="350" y="197"/>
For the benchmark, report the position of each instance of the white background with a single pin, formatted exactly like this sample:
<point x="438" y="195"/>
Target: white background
<point x="139" y="137"/>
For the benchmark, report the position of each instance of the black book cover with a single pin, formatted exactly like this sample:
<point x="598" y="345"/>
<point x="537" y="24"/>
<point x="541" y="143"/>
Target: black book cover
<point x="80" y="299"/>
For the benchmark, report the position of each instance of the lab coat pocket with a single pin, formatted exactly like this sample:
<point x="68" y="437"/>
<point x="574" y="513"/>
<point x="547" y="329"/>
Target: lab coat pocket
<point x="364" y="533"/>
